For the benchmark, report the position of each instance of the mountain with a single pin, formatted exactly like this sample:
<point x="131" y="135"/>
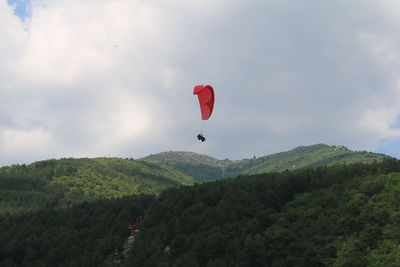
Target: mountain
<point x="338" y="215"/>
<point x="64" y="182"/>
<point x="204" y="168"/>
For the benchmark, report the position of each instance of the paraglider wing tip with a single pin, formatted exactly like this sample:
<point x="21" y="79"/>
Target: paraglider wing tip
<point x="198" y="89"/>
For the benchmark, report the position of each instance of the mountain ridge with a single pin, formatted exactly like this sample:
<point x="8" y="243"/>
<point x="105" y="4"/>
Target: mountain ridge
<point x="205" y="168"/>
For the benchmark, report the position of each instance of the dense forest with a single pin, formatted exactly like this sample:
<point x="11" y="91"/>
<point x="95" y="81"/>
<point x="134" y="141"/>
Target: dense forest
<point x="339" y="215"/>
<point x="87" y="234"/>
<point x="342" y="215"/>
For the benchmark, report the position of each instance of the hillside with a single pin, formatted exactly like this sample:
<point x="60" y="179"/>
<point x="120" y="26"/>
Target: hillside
<point x="86" y="234"/>
<point x="204" y="168"/>
<point x="340" y="215"/>
<point x="343" y="215"/>
<point x="201" y="167"/>
<point x="64" y="182"/>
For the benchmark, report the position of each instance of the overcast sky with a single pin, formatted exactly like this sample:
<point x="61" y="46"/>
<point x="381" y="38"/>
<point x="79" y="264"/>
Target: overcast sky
<point x="115" y="77"/>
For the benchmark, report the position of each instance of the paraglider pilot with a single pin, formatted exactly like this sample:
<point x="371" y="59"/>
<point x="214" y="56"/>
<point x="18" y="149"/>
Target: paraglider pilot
<point x="205" y="94"/>
<point x="201" y="137"/>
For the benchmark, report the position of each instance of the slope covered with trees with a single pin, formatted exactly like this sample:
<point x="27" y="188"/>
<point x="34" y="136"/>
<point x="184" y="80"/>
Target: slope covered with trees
<point x="201" y="167"/>
<point x="343" y="215"/>
<point x="339" y="215"/>
<point x="205" y="168"/>
<point x="62" y="183"/>
<point x="87" y="234"/>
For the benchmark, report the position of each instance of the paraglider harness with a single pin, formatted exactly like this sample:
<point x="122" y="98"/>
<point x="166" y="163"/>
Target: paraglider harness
<point x="201" y="137"/>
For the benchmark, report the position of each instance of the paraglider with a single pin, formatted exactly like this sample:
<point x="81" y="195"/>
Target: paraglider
<point x="205" y="94"/>
<point x="201" y="137"/>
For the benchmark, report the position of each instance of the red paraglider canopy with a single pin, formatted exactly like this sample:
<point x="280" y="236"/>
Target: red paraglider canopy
<point x="206" y="96"/>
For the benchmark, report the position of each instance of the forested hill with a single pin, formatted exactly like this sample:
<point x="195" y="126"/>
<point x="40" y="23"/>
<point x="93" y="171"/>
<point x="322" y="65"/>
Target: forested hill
<point x="342" y="215"/>
<point x="205" y="168"/>
<point x="201" y="167"/>
<point x="64" y="182"/>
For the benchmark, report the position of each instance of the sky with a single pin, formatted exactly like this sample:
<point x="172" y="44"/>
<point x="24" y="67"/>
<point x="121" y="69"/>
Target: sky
<point x="115" y="78"/>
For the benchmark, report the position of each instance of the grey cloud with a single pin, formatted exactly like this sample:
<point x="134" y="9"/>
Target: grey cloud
<point x="285" y="74"/>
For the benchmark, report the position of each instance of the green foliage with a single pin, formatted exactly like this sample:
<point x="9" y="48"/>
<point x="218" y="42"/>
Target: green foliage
<point x="88" y="234"/>
<point x="201" y="167"/>
<point x="74" y="212"/>
<point x="342" y="215"/>
<point x="204" y="168"/>
<point x="65" y="182"/>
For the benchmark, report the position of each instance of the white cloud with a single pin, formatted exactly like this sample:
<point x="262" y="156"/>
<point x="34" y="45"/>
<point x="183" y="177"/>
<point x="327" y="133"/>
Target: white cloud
<point x="24" y="143"/>
<point x="19" y="140"/>
<point x="87" y="78"/>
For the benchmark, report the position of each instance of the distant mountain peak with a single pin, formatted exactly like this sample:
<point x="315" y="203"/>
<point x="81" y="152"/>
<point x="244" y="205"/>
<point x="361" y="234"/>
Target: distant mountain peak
<point x="206" y="168"/>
